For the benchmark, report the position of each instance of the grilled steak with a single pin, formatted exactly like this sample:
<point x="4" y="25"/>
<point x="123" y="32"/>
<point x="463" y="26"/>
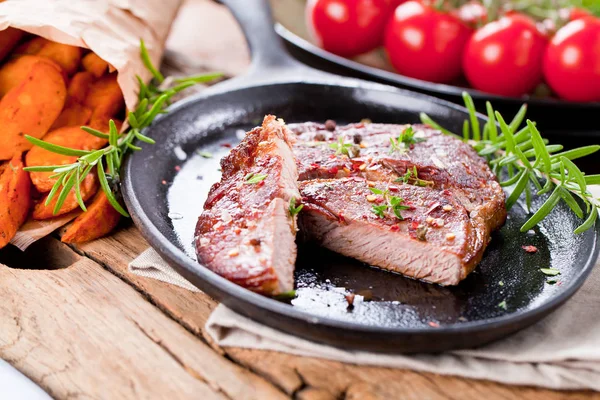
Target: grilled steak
<point x="245" y="233"/>
<point x="449" y="168"/>
<point x="422" y="204"/>
<point x="435" y="240"/>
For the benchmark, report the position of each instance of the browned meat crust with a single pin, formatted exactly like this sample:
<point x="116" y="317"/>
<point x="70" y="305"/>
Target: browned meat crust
<point x="245" y="233"/>
<point x="452" y="205"/>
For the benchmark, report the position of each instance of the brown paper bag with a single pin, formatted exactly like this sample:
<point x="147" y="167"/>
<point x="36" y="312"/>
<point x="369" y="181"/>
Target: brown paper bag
<point x="110" y="28"/>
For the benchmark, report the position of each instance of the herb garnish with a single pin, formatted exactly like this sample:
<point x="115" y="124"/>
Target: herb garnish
<point x="402" y="142"/>
<point x="502" y="305"/>
<point x="527" y="159"/>
<point x="412" y="177"/>
<point x="393" y="203"/>
<point x="341" y="147"/>
<point x="153" y="98"/>
<point x="293" y="209"/>
<point x="550" y="271"/>
<point x="252" y="178"/>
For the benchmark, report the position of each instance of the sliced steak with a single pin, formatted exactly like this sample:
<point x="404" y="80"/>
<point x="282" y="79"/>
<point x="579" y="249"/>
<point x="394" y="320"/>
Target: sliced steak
<point x="440" y="160"/>
<point x="436" y="240"/>
<point x="245" y="233"/>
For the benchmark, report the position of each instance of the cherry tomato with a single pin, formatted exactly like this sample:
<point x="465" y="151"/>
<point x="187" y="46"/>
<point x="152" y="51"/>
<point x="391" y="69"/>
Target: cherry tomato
<point x="347" y="27"/>
<point x="577" y="13"/>
<point x="505" y="56"/>
<point x="424" y="43"/>
<point x="472" y="13"/>
<point x="572" y="61"/>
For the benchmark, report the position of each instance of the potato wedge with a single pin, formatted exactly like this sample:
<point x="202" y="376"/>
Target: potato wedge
<point x="15" y="199"/>
<point x="79" y="87"/>
<point x="8" y="40"/>
<point x="88" y="188"/>
<point x="68" y="57"/>
<point x="94" y="64"/>
<point x="32" y="46"/>
<point x="30" y="109"/>
<point x="105" y="97"/>
<point x="69" y="136"/>
<point x="72" y="115"/>
<point x="99" y="219"/>
<point x="16" y="70"/>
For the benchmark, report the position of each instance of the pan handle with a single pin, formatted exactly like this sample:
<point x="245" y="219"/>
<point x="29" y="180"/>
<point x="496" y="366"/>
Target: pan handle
<point x="266" y="47"/>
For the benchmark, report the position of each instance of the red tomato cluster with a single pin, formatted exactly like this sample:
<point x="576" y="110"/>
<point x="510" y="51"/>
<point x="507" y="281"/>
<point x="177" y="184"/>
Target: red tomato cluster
<point x="507" y="56"/>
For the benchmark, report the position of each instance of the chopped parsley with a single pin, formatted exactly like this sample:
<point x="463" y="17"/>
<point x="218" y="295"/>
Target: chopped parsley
<point x="402" y="142"/>
<point x="205" y="154"/>
<point x="341" y="147"/>
<point x="253" y="178"/>
<point x="393" y="203"/>
<point x="289" y="295"/>
<point x="412" y="177"/>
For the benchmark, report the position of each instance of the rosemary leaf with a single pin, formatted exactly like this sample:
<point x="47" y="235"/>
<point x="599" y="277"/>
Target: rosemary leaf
<point x="592" y="179"/>
<point x="148" y="63"/>
<point x="518" y="119"/>
<point x="54" y="148"/>
<point x="68" y="185"/>
<point x="107" y="190"/>
<point x="493" y="129"/>
<point x="543" y="211"/>
<point x="589" y="222"/>
<point x="576" y="153"/>
<point x="95" y="132"/>
<point x="519" y="187"/>
<point x="575" y="173"/>
<point x="472" y="116"/>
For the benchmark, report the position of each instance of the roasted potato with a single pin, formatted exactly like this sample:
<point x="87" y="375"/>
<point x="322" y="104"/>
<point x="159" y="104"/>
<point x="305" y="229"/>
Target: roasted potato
<point x="72" y="115"/>
<point x="32" y="46"/>
<point x="68" y="57"/>
<point x="105" y="97"/>
<point x="88" y="188"/>
<point x="79" y="86"/>
<point x="30" y="109"/>
<point x="94" y="64"/>
<point x="8" y="40"/>
<point x="99" y="219"/>
<point x="16" y="70"/>
<point x="15" y="199"/>
<point x="69" y="136"/>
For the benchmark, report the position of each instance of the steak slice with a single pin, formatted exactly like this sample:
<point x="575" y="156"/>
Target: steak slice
<point x="436" y="241"/>
<point x="246" y="233"/>
<point x="442" y="161"/>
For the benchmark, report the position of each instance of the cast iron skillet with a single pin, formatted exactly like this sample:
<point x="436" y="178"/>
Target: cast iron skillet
<point x="557" y="118"/>
<point x="165" y="194"/>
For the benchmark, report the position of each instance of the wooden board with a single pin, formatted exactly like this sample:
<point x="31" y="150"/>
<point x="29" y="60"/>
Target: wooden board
<point x="80" y="325"/>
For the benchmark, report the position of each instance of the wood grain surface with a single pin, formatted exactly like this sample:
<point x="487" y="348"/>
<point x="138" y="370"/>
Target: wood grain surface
<point x="78" y="324"/>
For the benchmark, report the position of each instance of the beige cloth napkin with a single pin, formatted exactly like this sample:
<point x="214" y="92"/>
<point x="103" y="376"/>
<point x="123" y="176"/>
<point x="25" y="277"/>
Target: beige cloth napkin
<point x="560" y="352"/>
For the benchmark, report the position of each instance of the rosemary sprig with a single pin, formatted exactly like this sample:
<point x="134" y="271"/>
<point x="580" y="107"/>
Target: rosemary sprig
<point x="153" y="97"/>
<point x="529" y="163"/>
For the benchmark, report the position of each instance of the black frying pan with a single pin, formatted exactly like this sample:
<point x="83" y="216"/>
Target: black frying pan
<point x="165" y="194"/>
<point x="566" y="121"/>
